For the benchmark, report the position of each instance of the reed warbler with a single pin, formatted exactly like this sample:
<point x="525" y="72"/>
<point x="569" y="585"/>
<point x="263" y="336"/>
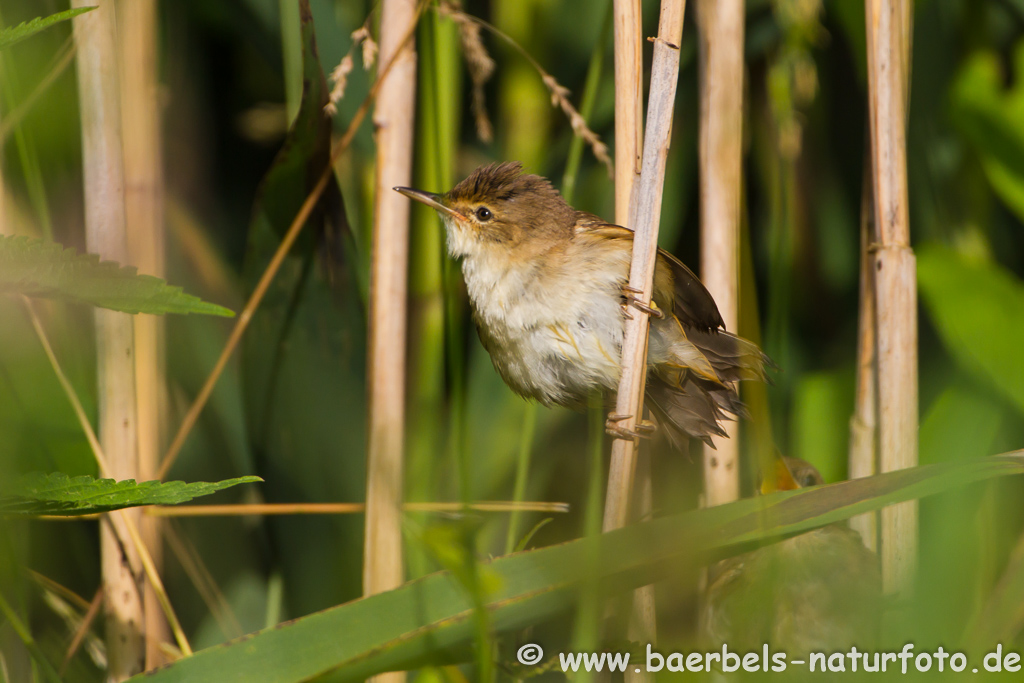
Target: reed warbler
<point x="548" y="289"/>
<point x="820" y="591"/>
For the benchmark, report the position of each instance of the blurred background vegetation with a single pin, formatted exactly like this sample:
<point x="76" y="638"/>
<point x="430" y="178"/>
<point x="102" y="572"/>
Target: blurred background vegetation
<point x="290" y="408"/>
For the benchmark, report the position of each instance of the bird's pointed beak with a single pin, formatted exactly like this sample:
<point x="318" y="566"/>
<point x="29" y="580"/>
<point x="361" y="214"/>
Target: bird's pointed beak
<point x="434" y="201"/>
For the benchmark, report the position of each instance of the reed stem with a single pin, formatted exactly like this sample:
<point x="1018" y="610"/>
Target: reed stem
<point x="644" y="217"/>
<point x="144" y="210"/>
<point x="863" y="458"/>
<point x="895" y="278"/>
<point x="394" y="118"/>
<point x="105" y="235"/>
<point x="629" y="103"/>
<point x="721" y="152"/>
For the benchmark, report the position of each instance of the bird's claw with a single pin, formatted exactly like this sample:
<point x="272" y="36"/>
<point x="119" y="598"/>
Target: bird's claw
<point x="646" y="427"/>
<point x="630" y="294"/>
<point x="650" y="309"/>
<point x="643" y="429"/>
<point x="622" y="433"/>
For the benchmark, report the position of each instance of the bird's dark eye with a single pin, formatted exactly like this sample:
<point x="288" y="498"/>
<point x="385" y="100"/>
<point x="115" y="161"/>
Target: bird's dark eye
<point x="484" y="214"/>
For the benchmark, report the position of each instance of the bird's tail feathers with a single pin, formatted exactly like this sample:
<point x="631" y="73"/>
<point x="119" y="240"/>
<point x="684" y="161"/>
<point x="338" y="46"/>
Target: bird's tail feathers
<point x="733" y="358"/>
<point x="694" y="393"/>
<point x="694" y="409"/>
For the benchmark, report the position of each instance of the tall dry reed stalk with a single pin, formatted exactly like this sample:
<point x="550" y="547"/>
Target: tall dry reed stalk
<point x="629" y="102"/>
<point x="144" y="208"/>
<point x="103" y="160"/>
<point x="721" y="151"/>
<point x="394" y="121"/>
<point x="643" y="217"/>
<point x="863" y="460"/>
<point x="627" y="22"/>
<point x="628" y="146"/>
<point x="895" y="279"/>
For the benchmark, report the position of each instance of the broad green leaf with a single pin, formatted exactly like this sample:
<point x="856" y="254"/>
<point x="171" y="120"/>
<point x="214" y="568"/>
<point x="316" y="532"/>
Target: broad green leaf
<point x="960" y="424"/>
<point x="978" y="309"/>
<point x="1002" y="620"/>
<point x="14" y="34"/>
<point x="823" y="402"/>
<point x="430" y="619"/>
<point x="990" y="117"/>
<point x="58" y="494"/>
<point x="46" y="269"/>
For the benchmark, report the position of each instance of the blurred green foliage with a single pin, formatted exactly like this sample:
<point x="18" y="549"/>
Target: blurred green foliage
<point x="428" y="621"/>
<point x="290" y="407"/>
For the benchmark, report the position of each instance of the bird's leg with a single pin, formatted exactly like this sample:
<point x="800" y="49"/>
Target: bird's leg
<point x="613" y="429"/>
<point x="644" y="428"/>
<point x="631" y="300"/>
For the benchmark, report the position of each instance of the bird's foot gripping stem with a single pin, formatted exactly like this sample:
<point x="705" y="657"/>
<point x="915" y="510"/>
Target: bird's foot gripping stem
<point x="651" y="309"/>
<point x="644" y="428"/>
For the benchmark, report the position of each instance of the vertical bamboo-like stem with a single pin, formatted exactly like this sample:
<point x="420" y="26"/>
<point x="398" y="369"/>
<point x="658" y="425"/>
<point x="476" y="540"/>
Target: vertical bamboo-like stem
<point x="393" y="118"/>
<point x="629" y="68"/>
<point x="721" y="150"/>
<point x="144" y="206"/>
<point x="644" y="217"/>
<point x="103" y="159"/>
<point x="895" y="280"/>
<point x="863" y="423"/>
<point x="629" y="106"/>
<point x="629" y="103"/>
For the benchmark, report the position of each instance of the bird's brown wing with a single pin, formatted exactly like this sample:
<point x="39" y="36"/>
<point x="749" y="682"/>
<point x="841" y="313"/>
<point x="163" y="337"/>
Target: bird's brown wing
<point x="690" y="300"/>
<point x="692" y="390"/>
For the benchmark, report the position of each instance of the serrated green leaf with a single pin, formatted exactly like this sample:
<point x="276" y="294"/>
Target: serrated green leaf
<point x="58" y="494"/>
<point x="429" y="621"/>
<point x="36" y="268"/>
<point x="14" y="34"/>
<point x="978" y="309"/>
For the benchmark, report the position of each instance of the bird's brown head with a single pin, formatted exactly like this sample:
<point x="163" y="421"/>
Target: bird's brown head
<point x="790" y="474"/>
<point x="499" y="206"/>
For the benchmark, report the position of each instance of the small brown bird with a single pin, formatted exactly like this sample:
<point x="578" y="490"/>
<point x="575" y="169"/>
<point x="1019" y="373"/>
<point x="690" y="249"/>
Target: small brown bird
<point x="816" y="592"/>
<point x="548" y="289"/>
